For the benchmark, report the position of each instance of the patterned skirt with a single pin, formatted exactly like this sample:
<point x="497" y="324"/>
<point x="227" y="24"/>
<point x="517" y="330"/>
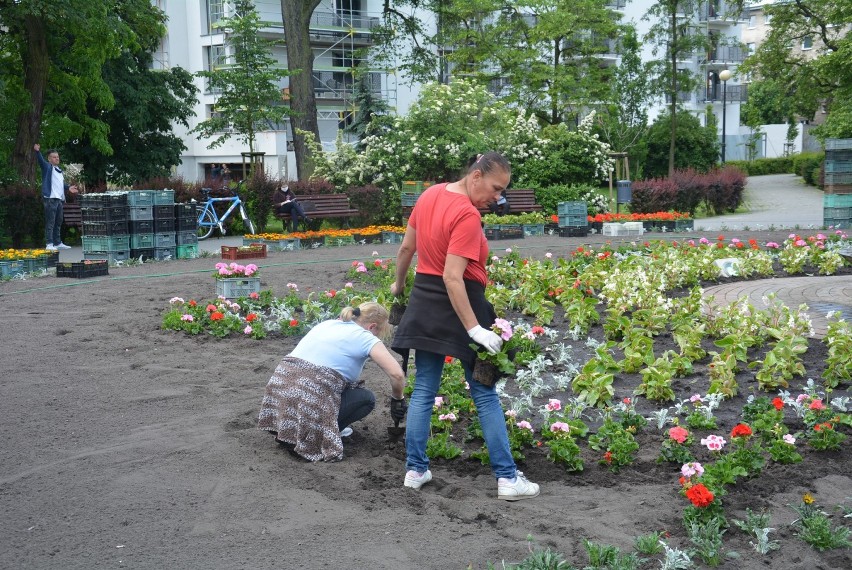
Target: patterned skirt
<point x="301" y="403"/>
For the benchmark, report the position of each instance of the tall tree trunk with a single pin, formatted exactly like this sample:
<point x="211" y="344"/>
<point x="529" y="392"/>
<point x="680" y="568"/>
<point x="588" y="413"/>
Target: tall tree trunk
<point x="36" y="64"/>
<point x="300" y="63"/>
<point x="674" y="53"/>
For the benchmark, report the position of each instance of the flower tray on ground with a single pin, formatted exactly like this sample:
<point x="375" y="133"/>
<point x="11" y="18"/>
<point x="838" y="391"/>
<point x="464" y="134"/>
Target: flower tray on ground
<point x="253" y="251"/>
<point x="82" y="269"/>
<point x="236" y="287"/>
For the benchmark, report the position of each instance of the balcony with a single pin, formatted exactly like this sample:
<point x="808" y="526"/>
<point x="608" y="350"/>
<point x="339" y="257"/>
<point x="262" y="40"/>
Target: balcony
<point x="714" y="94"/>
<point x="722" y="55"/>
<point x="682" y="96"/>
<point x="616" y="4"/>
<point x="720" y="15"/>
<point x="337" y="86"/>
<point x="343" y="21"/>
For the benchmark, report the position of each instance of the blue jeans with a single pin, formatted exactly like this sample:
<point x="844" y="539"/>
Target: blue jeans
<point x="355" y="404"/>
<point x="53" y="220"/>
<point x="427" y="380"/>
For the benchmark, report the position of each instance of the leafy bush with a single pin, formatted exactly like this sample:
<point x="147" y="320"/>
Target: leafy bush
<point x="311" y="187"/>
<point x="258" y="195"/>
<point x="368" y="201"/>
<point x="568" y="157"/>
<point x="22" y="214"/>
<point x="720" y="191"/>
<point x="762" y="166"/>
<point x="695" y="146"/>
<point x="550" y="197"/>
<point x="805" y="163"/>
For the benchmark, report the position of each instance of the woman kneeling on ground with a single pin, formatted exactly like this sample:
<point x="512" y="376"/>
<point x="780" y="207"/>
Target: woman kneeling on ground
<point x="315" y="392"/>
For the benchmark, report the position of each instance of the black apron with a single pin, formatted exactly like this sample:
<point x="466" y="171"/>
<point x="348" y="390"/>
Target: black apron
<point x="430" y="323"/>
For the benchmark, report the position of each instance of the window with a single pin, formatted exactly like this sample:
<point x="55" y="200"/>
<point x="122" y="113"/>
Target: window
<point x="807" y="42"/>
<point x="767" y="18"/>
<point x="215" y="12"/>
<point x="752" y="21"/>
<point x="750" y="48"/>
<point x="214" y="57"/>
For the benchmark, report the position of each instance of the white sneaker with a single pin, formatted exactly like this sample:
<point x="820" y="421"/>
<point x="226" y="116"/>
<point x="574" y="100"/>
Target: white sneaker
<point x="51" y="247"/>
<point x="61" y="245"/>
<point x="516" y="490"/>
<point x="416" y="480"/>
<point x="346" y="432"/>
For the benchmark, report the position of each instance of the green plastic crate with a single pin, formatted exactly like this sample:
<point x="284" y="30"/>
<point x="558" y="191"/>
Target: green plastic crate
<point x="187" y="251"/>
<point x="837" y="201"/>
<point x="106" y="243"/>
<point x="233" y="287"/>
<point x="11" y="268"/>
<point x="137" y="198"/>
<point x="572" y="209"/>
<point x="164" y="198"/>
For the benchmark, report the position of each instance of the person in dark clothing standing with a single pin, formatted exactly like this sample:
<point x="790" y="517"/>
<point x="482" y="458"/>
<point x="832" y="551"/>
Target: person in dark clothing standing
<point x="53" y="189"/>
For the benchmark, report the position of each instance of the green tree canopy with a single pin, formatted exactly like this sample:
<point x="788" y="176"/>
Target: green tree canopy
<point x="51" y="57"/>
<point x="249" y="98"/>
<point x="821" y="75"/>
<point x="696" y="146"/>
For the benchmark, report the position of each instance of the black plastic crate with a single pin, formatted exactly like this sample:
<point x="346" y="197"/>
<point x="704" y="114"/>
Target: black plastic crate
<point x="82" y="269"/>
<point x="499" y="233"/>
<point x="162" y="225"/>
<point x="574" y="231"/>
<point x="92" y="200"/>
<point x="186" y="210"/>
<point x="106" y="214"/>
<point x="144" y="253"/>
<point x="142" y="226"/>
<point x="116" y="228"/>
<point x="186" y="224"/>
<point x="186" y="237"/>
<point x="164" y="212"/>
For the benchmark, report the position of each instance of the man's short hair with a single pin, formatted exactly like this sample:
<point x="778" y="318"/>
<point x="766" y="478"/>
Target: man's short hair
<point x="51" y="151"/>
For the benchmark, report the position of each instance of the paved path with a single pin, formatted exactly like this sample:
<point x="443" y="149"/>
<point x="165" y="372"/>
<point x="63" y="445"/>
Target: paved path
<point x="779" y="200"/>
<point x="820" y="294"/>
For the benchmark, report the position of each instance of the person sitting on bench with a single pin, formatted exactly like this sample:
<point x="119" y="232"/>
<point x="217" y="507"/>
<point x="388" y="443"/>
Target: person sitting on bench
<point x="285" y="202"/>
<point x="501" y="206"/>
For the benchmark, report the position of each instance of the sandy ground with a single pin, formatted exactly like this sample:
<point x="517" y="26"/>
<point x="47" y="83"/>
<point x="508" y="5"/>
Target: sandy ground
<point x="127" y="446"/>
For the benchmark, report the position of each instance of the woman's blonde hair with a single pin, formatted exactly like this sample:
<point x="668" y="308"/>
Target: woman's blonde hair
<point x="367" y="313"/>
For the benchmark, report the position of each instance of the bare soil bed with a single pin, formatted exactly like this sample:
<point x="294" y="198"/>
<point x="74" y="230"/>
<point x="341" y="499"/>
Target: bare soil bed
<point x="127" y="446"/>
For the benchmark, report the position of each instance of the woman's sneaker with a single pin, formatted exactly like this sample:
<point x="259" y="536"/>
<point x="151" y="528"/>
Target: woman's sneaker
<point x="416" y="480"/>
<point x="346" y="432"/>
<point x="516" y="490"/>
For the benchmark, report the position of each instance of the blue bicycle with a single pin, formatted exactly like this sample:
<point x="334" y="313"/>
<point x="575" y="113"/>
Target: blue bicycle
<point x="208" y="219"/>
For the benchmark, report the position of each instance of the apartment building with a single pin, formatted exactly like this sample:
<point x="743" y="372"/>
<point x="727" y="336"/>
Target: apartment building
<point x="338" y="30"/>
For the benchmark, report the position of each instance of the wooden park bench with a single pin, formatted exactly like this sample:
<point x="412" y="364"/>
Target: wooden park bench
<point x="322" y="206"/>
<point x="520" y="200"/>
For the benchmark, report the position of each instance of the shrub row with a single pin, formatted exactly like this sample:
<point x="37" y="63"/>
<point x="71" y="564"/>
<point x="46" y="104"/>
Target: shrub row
<point x="808" y="165"/>
<point x="719" y="190"/>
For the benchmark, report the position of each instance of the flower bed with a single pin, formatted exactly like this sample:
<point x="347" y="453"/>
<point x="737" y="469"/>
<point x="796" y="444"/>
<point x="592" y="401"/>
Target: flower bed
<point x="711" y="399"/>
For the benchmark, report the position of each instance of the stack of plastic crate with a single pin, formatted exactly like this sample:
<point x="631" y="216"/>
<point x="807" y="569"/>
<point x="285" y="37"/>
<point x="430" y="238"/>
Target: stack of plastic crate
<point x="573" y="219"/>
<point x="105" y="227"/>
<point x="837" y="202"/>
<point x="165" y="244"/>
<point x="141" y="206"/>
<point x="186" y="230"/>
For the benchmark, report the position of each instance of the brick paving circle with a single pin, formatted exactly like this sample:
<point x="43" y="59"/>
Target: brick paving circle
<point x="820" y="294"/>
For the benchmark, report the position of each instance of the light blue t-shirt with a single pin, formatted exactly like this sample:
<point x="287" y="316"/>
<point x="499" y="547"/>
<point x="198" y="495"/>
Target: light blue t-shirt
<point x="343" y="346"/>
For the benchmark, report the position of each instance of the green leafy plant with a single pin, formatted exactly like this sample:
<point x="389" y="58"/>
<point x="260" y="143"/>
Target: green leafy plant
<point x="618" y="445"/>
<point x="657" y="379"/>
<point x="608" y="557"/>
<point x="707" y="538"/>
<point x="756" y="525"/>
<point x="723" y="378"/>
<point x="838" y="338"/>
<point x="814" y="527"/>
<point x="594" y="383"/>
<point x="825" y="437"/>
<point x="649" y="544"/>
<point x="562" y="448"/>
<point x="781" y="363"/>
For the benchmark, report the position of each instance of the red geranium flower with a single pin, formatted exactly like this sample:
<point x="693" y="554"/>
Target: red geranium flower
<point x="537" y="330"/>
<point x="294" y="323"/>
<point x="250" y="317"/>
<point x="699" y="495"/>
<point x="192" y="303"/>
<point x="211" y="308"/>
<point x="778" y="403"/>
<point x="448" y="359"/>
<point x="741" y="430"/>
<point x="608" y="457"/>
<point x="678" y="434"/>
<point x="216" y="316"/>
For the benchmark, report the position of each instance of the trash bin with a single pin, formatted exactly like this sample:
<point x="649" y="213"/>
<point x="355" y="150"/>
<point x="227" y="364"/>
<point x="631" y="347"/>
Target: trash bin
<point x="625" y="191"/>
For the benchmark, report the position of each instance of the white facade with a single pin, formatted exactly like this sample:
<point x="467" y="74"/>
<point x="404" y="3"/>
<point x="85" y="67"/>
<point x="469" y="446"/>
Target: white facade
<point x="338" y="29"/>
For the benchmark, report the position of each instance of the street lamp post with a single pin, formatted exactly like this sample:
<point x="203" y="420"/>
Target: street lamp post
<point x="724" y="76"/>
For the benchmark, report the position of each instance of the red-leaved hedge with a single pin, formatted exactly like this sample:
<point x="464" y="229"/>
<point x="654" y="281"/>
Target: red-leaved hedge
<point x="720" y="191"/>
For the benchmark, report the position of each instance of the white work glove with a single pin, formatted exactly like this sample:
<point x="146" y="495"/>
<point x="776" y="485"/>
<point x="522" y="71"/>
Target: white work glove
<point x="489" y="339"/>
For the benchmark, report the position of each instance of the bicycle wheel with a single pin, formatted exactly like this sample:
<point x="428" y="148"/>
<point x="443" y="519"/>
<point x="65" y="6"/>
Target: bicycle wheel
<point x="246" y="221"/>
<point x="206" y="223"/>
